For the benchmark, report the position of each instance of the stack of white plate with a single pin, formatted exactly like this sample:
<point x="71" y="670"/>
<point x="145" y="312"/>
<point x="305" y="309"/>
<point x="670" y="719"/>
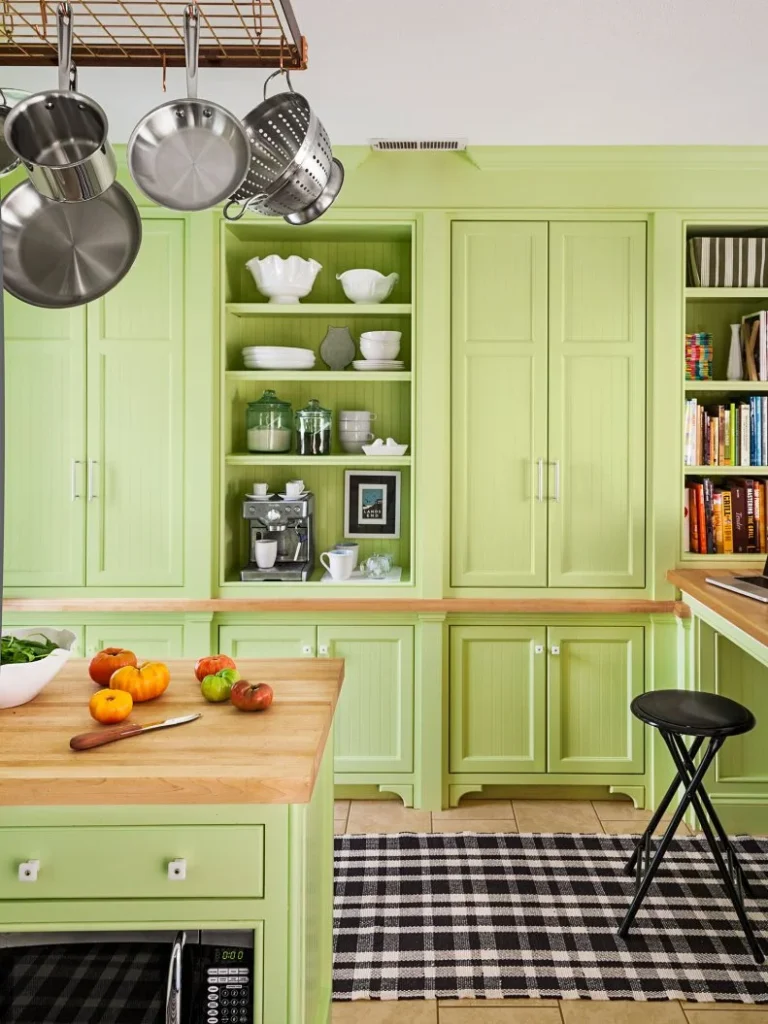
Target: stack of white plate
<point x="278" y="357"/>
<point x="378" y="364"/>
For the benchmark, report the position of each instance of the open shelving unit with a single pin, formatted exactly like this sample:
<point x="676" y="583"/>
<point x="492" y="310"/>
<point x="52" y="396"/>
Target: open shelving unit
<point x="712" y="310"/>
<point x="247" y="318"/>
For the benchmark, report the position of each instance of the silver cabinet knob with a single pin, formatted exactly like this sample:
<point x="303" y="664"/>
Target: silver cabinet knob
<point x="177" y="870"/>
<point x="28" y="870"/>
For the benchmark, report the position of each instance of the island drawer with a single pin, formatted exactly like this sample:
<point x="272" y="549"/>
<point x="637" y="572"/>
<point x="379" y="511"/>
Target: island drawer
<point x="143" y="862"/>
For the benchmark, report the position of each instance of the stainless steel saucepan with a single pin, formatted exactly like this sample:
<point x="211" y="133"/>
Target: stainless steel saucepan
<point x="61" y="135"/>
<point x="189" y="154"/>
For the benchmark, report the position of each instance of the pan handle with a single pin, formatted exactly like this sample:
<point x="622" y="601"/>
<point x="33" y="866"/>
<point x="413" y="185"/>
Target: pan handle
<point x="191" y="48"/>
<point x="280" y="71"/>
<point x="242" y="207"/>
<point x="67" y="72"/>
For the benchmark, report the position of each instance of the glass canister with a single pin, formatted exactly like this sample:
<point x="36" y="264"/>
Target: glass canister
<point x="268" y="424"/>
<point x="313" y="429"/>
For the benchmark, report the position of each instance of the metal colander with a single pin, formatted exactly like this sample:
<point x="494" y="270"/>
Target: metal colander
<point x="290" y="157"/>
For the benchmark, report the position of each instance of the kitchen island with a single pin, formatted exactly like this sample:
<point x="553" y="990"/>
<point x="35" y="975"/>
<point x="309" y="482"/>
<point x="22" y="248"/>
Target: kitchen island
<point x="222" y="823"/>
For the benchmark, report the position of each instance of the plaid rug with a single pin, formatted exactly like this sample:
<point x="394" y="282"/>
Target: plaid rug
<point x="506" y="916"/>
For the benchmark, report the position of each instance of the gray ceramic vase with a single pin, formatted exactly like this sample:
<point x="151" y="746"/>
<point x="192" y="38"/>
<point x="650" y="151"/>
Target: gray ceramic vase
<point x="337" y="348"/>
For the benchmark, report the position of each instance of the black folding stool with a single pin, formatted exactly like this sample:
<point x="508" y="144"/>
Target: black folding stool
<point x="678" y="713"/>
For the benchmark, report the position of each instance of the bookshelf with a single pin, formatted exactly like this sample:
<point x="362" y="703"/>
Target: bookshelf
<point x="712" y="311"/>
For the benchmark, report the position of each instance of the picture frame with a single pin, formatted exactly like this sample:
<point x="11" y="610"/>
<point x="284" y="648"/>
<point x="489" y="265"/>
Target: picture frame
<point x="371" y="503"/>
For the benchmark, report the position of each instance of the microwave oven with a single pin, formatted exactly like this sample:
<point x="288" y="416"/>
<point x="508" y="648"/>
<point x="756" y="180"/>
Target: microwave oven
<point x="185" y="977"/>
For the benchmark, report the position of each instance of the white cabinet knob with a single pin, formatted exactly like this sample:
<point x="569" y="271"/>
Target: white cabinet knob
<point x="538" y="649"/>
<point x="323" y="650"/>
<point x="306" y="651"/>
<point x="28" y="870"/>
<point x="554" y="649"/>
<point x="177" y="870"/>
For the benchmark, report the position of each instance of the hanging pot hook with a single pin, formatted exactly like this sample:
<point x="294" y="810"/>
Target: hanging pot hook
<point x="274" y="74"/>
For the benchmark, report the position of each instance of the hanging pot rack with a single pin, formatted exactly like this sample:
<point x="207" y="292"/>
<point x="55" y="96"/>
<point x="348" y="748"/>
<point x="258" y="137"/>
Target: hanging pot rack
<point x="147" y="33"/>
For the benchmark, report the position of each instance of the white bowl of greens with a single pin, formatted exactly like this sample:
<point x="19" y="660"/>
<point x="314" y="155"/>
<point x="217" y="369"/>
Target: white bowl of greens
<point x="30" y="658"/>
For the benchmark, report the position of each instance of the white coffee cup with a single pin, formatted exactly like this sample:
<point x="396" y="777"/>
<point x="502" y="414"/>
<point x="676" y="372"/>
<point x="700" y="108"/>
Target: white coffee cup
<point x="266" y="553"/>
<point x="339" y="563"/>
<point x="294" y="487"/>
<point x="261" y="490"/>
<point x="349" y="414"/>
<point x="352" y="548"/>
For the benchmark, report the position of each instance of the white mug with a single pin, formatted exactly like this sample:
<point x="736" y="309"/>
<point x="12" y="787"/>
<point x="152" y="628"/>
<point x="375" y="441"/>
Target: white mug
<point x="294" y="488"/>
<point x="353" y="548"/>
<point x="266" y="553"/>
<point x="340" y="563"/>
<point x="260" y="490"/>
<point x="348" y="414"/>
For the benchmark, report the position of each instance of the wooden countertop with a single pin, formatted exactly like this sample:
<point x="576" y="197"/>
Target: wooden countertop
<point x="411" y="605"/>
<point x="225" y="757"/>
<point x="744" y="613"/>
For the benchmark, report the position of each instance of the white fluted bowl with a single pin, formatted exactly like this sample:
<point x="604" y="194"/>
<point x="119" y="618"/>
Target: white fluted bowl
<point x="284" y="281"/>
<point x="367" y="285"/>
<point x="19" y="684"/>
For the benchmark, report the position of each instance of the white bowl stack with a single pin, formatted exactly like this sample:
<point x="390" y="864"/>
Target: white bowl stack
<point x="278" y="357"/>
<point x="380" y="349"/>
<point x="355" y="430"/>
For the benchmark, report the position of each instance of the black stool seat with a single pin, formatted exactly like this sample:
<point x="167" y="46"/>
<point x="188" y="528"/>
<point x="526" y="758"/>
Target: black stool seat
<point x="693" y="714"/>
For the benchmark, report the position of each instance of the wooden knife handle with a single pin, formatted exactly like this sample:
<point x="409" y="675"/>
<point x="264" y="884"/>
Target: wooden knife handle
<point x="87" y="740"/>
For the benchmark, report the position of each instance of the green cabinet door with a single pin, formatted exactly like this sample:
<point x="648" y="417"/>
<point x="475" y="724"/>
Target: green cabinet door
<point x="136" y="419"/>
<point x="594" y="672"/>
<point x="373" y="727"/>
<point x="499" y="404"/>
<point x="148" y="642"/>
<point x="497" y="699"/>
<point x="597" y="357"/>
<point x="267" y="641"/>
<point x="45" y="446"/>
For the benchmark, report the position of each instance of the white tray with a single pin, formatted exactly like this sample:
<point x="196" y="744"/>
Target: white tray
<point x="393" y="576"/>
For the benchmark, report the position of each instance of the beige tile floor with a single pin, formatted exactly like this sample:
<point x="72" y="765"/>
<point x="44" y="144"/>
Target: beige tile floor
<point x="608" y="816"/>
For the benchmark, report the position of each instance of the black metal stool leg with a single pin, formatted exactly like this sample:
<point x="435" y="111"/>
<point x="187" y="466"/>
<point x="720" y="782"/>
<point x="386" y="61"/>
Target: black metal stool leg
<point x="666" y="839"/>
<point x="687" y="757"/>
<point x="738" y="906"/>
<point x="659" y="812"/>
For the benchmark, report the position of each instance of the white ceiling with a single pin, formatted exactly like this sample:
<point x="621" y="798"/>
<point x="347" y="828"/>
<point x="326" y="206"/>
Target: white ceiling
<point x="500" y="72"/>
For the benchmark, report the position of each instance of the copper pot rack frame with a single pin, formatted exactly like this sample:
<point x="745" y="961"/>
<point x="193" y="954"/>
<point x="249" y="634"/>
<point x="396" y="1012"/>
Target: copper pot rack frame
<point x="149" y="33"/>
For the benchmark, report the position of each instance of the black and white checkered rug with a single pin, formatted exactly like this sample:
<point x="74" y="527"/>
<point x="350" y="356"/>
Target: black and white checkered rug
<point x="510" y="916"/>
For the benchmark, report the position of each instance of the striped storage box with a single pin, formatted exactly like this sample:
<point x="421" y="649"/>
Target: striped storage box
<point x="728" y="262"/>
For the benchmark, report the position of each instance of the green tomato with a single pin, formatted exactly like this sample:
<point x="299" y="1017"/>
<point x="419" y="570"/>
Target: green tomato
<point x="230" y="674"/>
<point x="215" y="688"/>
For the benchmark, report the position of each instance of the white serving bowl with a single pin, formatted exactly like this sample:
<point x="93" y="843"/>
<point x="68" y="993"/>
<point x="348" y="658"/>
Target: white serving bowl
<point x="367" y="285"/>
<point x="20" y="684"/>
<point x="284" y="281"/>
<point x="380" y="344"/>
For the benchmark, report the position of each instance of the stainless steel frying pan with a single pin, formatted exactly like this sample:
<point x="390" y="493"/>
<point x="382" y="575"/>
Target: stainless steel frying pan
<point x="59" y="255"/>
<point x="189" y="154"/>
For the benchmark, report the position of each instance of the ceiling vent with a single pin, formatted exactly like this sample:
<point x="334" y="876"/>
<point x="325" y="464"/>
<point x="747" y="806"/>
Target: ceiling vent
<point x="404" y="145"/>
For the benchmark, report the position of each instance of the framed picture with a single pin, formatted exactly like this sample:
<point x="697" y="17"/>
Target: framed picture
<point x="371" y="503"/>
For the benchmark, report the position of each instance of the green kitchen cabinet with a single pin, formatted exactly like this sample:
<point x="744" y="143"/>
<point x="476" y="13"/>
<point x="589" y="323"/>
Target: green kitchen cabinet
<point x="136" y="419"/>
<point x="148" y="642"/>
<point x="45" y="499"/>
<point x="594" y="672"/>
<point x="373" y="727"/>
<point x="597" y="296"/>
<point x="497" y="699"/>
<point x="499" y="402"/>
<point x="249" y="641"/>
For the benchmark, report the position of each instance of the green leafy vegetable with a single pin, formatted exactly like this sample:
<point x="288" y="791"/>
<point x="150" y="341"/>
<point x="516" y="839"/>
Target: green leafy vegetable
<point x="14" y="651"/>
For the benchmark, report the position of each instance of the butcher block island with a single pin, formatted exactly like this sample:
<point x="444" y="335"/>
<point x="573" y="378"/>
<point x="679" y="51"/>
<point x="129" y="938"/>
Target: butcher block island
<point x="223" y="823"/>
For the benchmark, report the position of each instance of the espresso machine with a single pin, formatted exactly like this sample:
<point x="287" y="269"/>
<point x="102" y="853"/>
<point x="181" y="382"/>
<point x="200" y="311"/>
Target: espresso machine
<point x="288" y="522"/>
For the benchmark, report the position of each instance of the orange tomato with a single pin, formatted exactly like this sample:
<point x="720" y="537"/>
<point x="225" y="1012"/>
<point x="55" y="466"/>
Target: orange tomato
<point x="143" y="683"/>
<point x="110" y="706"/>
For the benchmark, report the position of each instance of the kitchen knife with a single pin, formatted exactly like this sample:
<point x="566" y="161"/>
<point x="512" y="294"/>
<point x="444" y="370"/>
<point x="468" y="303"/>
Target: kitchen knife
<point x="87" y="740"/>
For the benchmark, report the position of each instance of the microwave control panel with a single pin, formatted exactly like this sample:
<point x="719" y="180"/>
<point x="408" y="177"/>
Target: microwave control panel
<point x="228" y="995"/>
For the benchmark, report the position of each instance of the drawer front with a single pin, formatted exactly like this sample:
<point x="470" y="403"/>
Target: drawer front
<point x="132" y="863"/>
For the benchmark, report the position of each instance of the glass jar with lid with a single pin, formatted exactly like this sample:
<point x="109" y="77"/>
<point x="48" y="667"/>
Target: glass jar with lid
<point x="268" y="424"/>
<point x="313" y="429"/>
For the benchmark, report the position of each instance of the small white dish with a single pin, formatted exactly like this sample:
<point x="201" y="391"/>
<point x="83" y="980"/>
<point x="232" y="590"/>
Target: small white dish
<point x="293" y="497"/>
<point x="378" y="364"/>
<point x="260" y="497"/>
<point x="385" y="449"/>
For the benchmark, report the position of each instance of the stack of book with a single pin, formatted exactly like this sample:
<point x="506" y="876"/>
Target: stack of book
<point x="698" y="357"/>
<point x="727" y="435"/>
<point x="725" y="518"/>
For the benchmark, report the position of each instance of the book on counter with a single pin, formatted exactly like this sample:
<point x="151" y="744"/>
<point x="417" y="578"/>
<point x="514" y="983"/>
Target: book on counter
<point x="725" y="517"/>
<point x="727" y="435"/>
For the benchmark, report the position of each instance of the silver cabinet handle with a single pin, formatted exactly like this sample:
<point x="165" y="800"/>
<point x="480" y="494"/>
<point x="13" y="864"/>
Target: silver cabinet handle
<point x="173" y="991"/>
<point x="74" y="463"/>
<point x="92" y="463"/>
<point x="540" y="479"/>
<point x="556" y="464"/>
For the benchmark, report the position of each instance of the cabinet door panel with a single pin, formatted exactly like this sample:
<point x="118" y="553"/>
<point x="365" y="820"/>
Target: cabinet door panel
<point x="499" y="427"/>
<point x="45" y="446"/>
<point x="597" y="405"/>
<point x="497" y="699"/>
<point x="148" y="642"/>
<point x="267" y="641"/>
<point x="592" y="682"/>
<point x="135" y="418"/>
<point x="373" y="727"/>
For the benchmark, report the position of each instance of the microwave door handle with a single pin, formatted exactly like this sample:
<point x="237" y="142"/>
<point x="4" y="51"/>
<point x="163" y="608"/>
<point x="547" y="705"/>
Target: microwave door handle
<point x="173" y="990"/>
